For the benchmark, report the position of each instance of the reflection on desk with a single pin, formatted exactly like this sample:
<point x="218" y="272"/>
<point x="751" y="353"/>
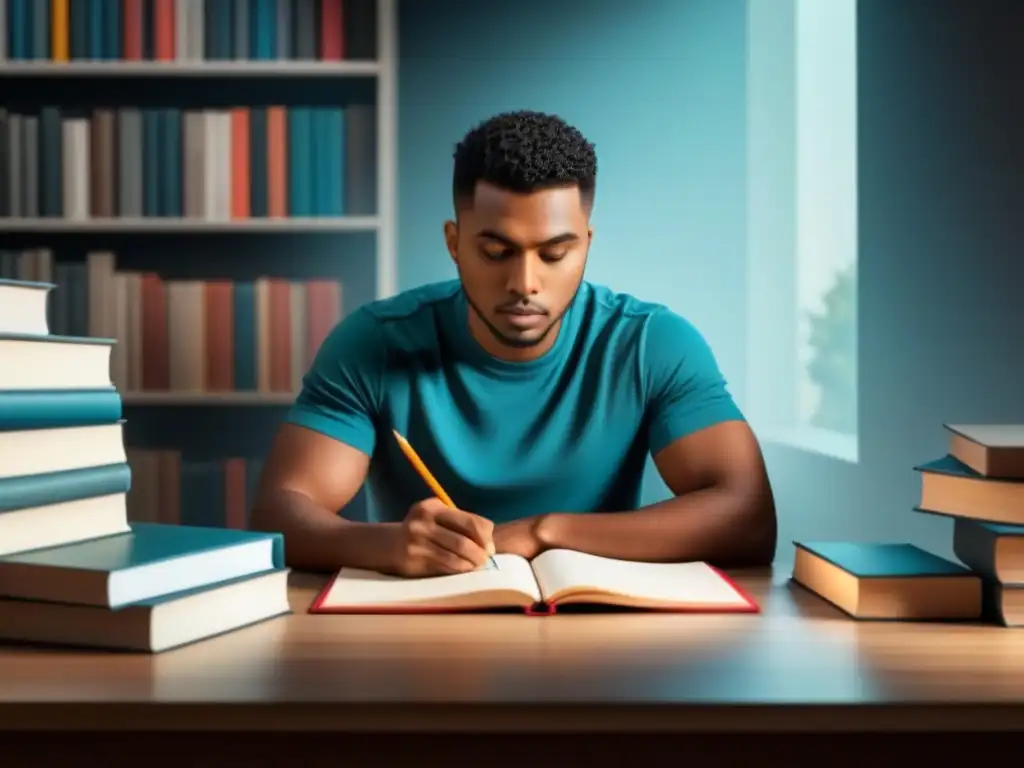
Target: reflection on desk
<point x="514" y="672"/>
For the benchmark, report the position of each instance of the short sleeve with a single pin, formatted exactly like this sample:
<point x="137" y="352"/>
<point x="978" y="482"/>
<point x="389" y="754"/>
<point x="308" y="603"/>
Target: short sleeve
<point x="686" y="391"/>
<point x="341" y="392"/>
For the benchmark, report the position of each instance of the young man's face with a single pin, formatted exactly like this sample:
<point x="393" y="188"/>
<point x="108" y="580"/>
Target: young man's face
<point x="521" y="259"/>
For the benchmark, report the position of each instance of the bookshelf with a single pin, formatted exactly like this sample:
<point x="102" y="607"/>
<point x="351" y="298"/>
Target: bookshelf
<point x="160" y="224"/>
<point x="189" y="69"/>
<point x="175" y="72"/>
<point x="126" y="237"/>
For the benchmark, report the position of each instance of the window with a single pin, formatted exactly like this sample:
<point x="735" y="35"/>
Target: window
<point x="802" y="223"/>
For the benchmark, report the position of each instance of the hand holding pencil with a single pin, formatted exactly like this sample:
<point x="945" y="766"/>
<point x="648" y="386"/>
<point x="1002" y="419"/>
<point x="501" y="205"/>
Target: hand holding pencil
<point x="438" y="537"/>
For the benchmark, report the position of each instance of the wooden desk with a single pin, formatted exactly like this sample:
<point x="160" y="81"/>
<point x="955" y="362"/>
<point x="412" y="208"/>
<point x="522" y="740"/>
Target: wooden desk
<point x="799" y="666"/>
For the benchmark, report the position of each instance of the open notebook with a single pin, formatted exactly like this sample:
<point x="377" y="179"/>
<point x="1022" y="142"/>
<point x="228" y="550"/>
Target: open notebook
<point x="556" y="577"/>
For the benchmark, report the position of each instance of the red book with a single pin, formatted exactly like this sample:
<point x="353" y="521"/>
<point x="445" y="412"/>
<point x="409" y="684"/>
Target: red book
<point x="132" y="26"/>
<point x="220" y="335"/>
<point x="332" y="30"/>
<point x="323" y="311"/>
<point x="240" y="163"/>
<point x="163" y="26"/>
<point x="556" y="578"/>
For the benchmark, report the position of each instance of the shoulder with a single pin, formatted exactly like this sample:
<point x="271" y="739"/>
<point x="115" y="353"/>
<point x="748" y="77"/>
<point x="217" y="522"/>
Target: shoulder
<point x="410" y="306"/>
<point x="366" y="337"/>
<point x="645" y="323"/>
<point x="665" y="344"/>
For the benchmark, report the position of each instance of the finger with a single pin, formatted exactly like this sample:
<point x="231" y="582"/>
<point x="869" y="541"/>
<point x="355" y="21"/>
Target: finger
<point x="459" y="545"/>
<point x="477" y="528"/>
<point x="439" y="561"/>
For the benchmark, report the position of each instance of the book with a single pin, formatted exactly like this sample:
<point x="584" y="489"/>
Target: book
<point x="992" y="551"/>
<point x="58" y="408"/>
<point x="40" y="490"/>
<point x="558" y="577"/>
<point x="55" y="449"/>
<point x="63" y="522"/>
<point x="1004" y="603"/>
<point x="895" y="581"/>
<point x="950" y="487"/>
<point x="23" y="307"/>
<point x="153" y="625"/>
<point x="54" y="362"/>
<point x="991" y="450"/>
<point x="149" y="561"/>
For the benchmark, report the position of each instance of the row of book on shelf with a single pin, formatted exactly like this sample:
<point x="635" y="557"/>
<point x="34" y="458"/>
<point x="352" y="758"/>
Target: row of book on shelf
<point x="181" y="335"/>
<point x="209" y="164"/>
<point x="979" y="485"/>
<point x="187" y="30"/>
<point x="75" y="567"/>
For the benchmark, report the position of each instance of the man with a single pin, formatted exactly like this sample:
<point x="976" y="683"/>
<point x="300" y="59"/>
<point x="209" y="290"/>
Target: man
<point x="532" y="396"/>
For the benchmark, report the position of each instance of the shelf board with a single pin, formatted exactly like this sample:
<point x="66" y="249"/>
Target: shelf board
<point x="166" y="224"/>
<point x="207" y="398"/>
<point x="190" y="69"/>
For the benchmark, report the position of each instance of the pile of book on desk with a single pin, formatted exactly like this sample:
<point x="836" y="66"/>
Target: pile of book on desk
<point x="73" y="569"/>
<point x="979" y="483"/>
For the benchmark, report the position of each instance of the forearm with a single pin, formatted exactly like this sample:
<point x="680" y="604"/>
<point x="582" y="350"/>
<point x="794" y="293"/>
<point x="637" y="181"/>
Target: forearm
<point x="716" y="525"/>
<point x="316" y="539"/>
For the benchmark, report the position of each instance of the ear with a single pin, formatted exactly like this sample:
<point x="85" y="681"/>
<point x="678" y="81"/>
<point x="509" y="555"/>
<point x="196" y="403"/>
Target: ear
<point x="590" y="236"/>
<point x="451" y="239"/>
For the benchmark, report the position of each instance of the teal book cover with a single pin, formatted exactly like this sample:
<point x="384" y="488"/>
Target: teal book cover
<point x="949" y="465"/>
<point x="146" y="544"/>
<point x="868" y="560"/>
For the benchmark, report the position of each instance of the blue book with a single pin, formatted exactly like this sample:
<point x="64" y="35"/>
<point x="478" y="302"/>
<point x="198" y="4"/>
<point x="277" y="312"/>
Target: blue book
<point x="17" y="27"/>
<point x="872" y="580"/>
<point x="112" y="31"/>
<point x="258" y="162"/>
<point x="96" y="28"/>
<point x="79" y="30"/>
<point x="151" y="561"/>
<point x="245" y="336"/>
<point x="170" y="182"/>
<point x="263" y="17"/>
<point x="45" y="488"/>
<point x="58" y="408"/>
<point x="153" y="625"/>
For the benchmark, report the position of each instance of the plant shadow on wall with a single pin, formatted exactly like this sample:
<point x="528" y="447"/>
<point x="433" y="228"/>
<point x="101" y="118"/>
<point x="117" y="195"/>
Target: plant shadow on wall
<point x="832" y="366"/>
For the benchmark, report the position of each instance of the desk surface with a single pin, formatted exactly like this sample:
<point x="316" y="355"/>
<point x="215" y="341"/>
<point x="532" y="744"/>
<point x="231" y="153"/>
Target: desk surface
<point x="800" y="664"/>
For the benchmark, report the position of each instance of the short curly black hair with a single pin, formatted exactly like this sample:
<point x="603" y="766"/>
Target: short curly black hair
<point x="524" y="151"/>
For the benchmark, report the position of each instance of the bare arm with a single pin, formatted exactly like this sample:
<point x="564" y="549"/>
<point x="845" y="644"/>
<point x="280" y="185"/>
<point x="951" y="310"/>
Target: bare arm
<point x="307" y="478"/>
<point x="722" y="509"/>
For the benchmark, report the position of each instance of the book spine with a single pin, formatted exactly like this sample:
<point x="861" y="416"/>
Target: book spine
<point x="44" y="409"/>
<point x="28" y="491"/>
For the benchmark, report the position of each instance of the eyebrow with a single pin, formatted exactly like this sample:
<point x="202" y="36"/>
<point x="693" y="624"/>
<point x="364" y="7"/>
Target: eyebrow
<point x="565" y="237"/>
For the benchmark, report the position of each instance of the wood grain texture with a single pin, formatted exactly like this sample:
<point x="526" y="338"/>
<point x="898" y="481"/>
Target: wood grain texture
<point x="801" y="665"/>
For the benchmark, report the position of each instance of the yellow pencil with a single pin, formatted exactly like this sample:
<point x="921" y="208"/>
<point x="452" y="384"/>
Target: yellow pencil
<point x="422" y="471"/>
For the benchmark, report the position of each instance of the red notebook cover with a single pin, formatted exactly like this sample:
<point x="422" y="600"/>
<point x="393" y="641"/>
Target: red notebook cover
<point x="538" y="609"/>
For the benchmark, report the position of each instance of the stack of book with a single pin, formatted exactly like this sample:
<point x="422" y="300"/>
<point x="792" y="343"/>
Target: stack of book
<point x="73" y="568"/>
<point x="979" y="483"/>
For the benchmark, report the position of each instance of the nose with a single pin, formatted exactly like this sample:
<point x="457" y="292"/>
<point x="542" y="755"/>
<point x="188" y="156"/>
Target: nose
<point x="523" y="276"/>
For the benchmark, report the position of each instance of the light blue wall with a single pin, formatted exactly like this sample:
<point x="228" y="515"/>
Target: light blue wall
<point x="658" y="85"/>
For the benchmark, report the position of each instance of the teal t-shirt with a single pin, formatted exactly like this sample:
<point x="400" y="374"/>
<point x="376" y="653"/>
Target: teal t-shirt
<point x="567" y="432"/>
